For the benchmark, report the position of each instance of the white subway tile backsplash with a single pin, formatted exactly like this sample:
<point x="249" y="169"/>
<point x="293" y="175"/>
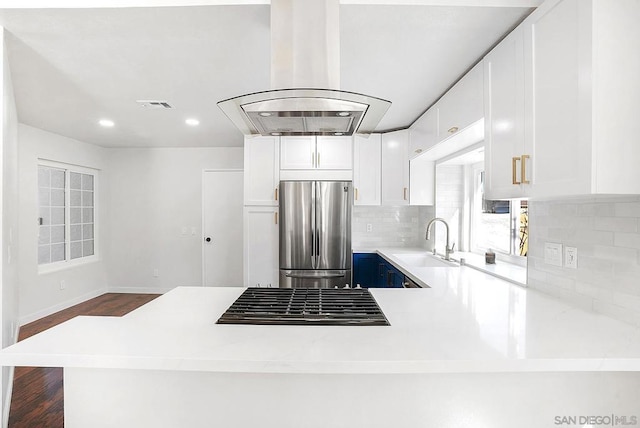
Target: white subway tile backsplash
<point x="401" y="226"/>
<point x="606" y="231"/>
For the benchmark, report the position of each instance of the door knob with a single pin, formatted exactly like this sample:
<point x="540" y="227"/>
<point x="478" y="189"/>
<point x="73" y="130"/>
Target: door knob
<point x="207" y="239"/>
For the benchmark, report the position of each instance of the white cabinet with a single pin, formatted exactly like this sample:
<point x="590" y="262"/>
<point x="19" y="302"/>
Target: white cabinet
<point x="309" y="152"/>
<point x="395" y="168"/>
<point x="367" y="166"/>
<point x="583" y="94"/>
<point x="423" y="134"/>
<point x="261" y="170"/>
<point x="507" y="144"/>
<point x="422" y="181"/>
<point x="462" y="105"/>
<point x="261" y="267"/>
<point x="298" y="152"/>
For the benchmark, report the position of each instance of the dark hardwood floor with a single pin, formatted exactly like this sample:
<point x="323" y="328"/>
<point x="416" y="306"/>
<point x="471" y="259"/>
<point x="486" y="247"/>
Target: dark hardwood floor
<point x="38" y="399"/>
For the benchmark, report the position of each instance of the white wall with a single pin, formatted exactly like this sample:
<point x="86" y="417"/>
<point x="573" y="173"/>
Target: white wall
<point x="606" y="231"/>
<point x="450" y="203"/>
<point x="40" y="294"/>
<point x="155" y="194"/>
<point x="9" y="214"/>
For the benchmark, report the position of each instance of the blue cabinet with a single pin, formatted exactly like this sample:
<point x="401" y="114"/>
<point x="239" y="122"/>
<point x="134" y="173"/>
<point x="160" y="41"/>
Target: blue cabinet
<point x="365" y="270"/>
<point x="372" y="271"/>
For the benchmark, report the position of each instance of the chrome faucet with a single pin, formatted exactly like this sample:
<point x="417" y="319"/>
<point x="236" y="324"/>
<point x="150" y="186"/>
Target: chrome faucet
<point x="448" y="250"/>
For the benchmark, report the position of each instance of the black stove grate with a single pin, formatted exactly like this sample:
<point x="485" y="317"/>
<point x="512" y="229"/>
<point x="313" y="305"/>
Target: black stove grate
<point x="305" y="306"/>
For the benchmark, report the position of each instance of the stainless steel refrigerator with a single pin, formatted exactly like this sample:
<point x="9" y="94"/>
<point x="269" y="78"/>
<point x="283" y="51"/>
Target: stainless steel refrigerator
<point x="315" y="234"/>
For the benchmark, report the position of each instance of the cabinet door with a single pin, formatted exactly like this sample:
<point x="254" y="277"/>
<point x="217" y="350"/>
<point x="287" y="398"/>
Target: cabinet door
<point x="367" y="170"/>
<point x="334" y="152"/>
<point x="504" y="119"/>
<point x="261" y="170"/>
<point x="365" y="270"/>
<point x="422" y="181"/>
<point x="423" y="134"/>
<point x="395" y="168"/>
<point x="560" y="45"/>
<point x="462" y="105"/>
<point x="297" y="152"/>
<point x="261" y="266"/>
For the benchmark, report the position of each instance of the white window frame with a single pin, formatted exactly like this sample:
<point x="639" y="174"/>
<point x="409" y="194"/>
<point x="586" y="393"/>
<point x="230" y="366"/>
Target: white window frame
<point x="68" y="262"/>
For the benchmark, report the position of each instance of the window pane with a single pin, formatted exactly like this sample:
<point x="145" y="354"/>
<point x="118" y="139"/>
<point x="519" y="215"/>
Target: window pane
<point x="44" y="254"/>
<point x="44" y="177"/>
<point x="57" y="253"/>
<point x="75" y="181"/>
<point x="57" y="178"/>
<point x="87" y="231"/>
<point x="57" y="215"/>
<point x="494" y="228"/>
<point x="75" y="232"/>
<point x="75" y="248"/>
<point x="87" y="199"/>
<point x="87" y="182"/>
<point x="76" y="215"/>
<point x="44" y="235"/>
<point x="87" y="247"/>
<point x="87" y="215"/>
<point x="57" y="234"/>
<point x="44" y="197"/>
<point x="45" y="215"/>
<point x="57" y="197"/>
<point x="75" y="197"/>
<point x="522" y="244"/>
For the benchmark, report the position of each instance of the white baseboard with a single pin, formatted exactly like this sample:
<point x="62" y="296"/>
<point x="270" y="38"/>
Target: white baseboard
<point x="60" y="306"/>
<point x="140" y="290"/>
<point x="6" y="405"/>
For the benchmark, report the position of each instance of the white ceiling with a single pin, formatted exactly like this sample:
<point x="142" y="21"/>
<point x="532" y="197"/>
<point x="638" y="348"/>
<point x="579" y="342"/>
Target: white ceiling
<point x="71" y="67"/>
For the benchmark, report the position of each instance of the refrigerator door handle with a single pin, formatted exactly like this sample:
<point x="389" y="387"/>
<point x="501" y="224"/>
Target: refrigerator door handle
<point x="291" y="275"/>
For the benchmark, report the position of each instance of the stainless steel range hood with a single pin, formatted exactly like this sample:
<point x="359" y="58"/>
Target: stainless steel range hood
<point x="305" y="77"/>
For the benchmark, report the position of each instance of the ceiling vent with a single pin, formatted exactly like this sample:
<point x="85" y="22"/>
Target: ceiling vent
<point x="154" y="104"/>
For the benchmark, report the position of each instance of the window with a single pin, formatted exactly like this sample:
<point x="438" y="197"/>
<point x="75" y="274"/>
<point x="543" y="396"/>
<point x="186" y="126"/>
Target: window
<point x="502" y="226"/>
<point x="66" y="230"/>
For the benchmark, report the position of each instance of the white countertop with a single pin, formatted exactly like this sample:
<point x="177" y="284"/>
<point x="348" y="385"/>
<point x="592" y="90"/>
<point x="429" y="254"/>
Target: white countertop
<point x="466" y="322"/>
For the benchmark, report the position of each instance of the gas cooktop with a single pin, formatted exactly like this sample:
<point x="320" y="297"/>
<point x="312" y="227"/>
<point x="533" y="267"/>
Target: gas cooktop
<point x="305" y="306"/>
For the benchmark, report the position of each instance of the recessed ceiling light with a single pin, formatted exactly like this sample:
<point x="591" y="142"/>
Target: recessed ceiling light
<point x="265" y="114"/>
<point x="275" y="134"/>
<point x="338" y="133"/>
<point x="344" y="114"/>
<point x="106" y="123"/>
<point x="192" y="122"/>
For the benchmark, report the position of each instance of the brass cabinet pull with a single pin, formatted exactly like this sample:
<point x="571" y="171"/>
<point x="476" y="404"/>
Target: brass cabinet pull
<point x="313" y="159"/>
<point x="276" y="217"/>
<point x="356" y="193"/>
<point x="523" y="169"/>
<point x="453" y="129"/>
<point x="318" y="164"/>
<point x="404" y="193"/>
<point x="276" y="193"/>
<point x="514" y="174"/>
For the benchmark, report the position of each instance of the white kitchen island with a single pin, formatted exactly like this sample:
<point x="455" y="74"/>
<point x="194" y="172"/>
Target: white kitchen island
<point x="472" y="351"/>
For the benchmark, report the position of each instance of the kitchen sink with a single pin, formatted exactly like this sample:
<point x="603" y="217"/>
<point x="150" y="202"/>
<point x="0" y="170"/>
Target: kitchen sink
<point x="424" y="260"/>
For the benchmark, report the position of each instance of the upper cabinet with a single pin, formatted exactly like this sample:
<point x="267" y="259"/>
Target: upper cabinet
<point x="395" y="168"/>
<point x="580" y="102"/>
<point x="423" y="134"/>
<point x="454" y="123"/>
<point x="367" y="164"/>
<point x="507" y="151"/>
<point x="261" y="170"/>
<point x="309" y="152"/>
<point x="462" y="105"/>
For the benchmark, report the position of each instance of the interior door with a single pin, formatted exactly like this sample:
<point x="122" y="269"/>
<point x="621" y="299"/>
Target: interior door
<point x="222" y="227"/>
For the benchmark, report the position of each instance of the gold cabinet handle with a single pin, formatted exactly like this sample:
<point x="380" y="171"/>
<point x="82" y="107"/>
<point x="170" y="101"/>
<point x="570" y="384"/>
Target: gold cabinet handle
<point x="514" y="174"/>
<point x="453" y="129"/>
<point x="276" y="217"/>
<point x="276" y="193"/>
<point x="356" y="193"/>
<point x="404" y="193"/>
<point x="318" y="164"/>
<point x="523" y="169"/>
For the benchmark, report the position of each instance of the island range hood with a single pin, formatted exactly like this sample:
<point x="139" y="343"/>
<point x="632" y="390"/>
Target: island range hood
<point x="305" y="98"/>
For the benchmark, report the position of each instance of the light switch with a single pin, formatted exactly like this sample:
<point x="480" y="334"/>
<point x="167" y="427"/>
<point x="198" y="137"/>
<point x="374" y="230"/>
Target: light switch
<point x="571" y="257"/>
<point x="553" y="254"/>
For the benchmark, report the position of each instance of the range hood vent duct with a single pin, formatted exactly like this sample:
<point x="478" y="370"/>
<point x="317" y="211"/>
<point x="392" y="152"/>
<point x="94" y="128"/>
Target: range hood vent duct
<point x="305" y="79"/>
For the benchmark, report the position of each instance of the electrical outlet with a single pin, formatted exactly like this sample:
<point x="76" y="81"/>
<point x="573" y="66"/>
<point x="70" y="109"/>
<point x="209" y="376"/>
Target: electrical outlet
<point x="369" y="227"/>
<point x="63" y="284"/>
<point x="571" y="257"/>
<point x="156" y="273"/>
<point x="553" y="254"/>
